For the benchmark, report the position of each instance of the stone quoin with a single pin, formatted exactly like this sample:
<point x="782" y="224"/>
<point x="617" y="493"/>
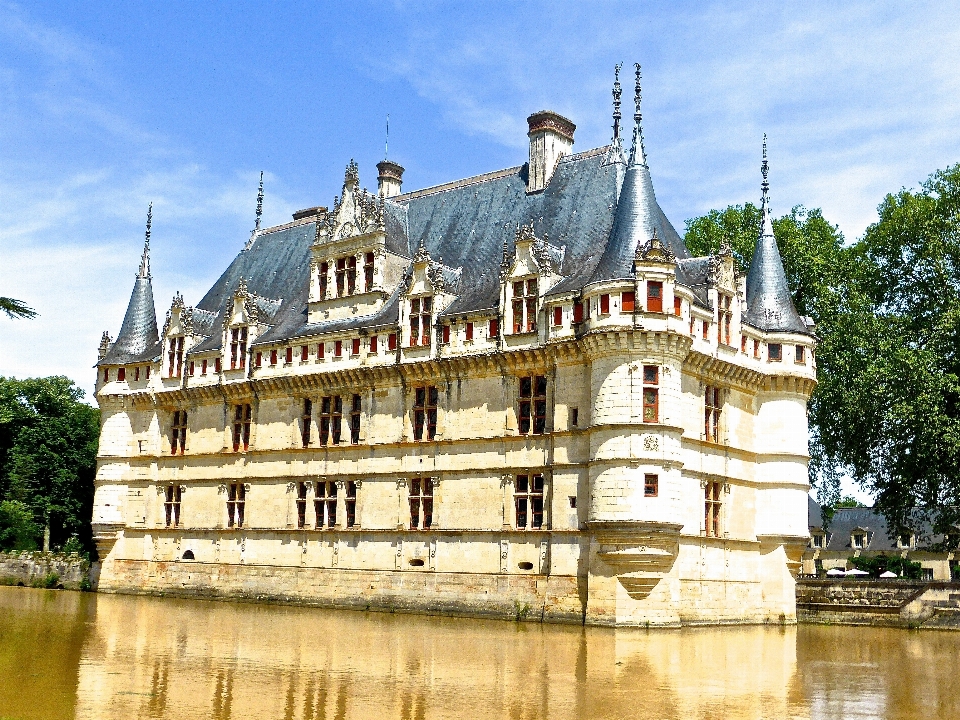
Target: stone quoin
<point x="514" y="395"/>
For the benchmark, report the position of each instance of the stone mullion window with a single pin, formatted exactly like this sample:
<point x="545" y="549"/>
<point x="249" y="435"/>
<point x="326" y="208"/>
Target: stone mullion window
<point x="331" y="419"/>
<point x="178" y="432"/>
<point x="238" y="348"/>
<point x="711" y="414"/>
<point x="325" y="505"/>
<point x="340" y="274"/>
<point x="171" y="505"/>
<point x="324" y="278"/>
<point x="421" y="310"/>
<point x="712" y="508"/>
<point x="425" y="404"/>
<point x="351" y="275"/>
<point x="724" y="318"/>
<point x="532" y="407"/>
<point x="301" y="505"/>
<point x="528" y="502"/>
<point x="525" y="306"/>
<point x="651" y="393"/>
<point x="242" y="419"/>
<point x="236" y="504"/>
<point x="175" y="356"/>
<point x="350" y="503"/>
<point x="306" y="422"/>
<point x="421" y="503"/>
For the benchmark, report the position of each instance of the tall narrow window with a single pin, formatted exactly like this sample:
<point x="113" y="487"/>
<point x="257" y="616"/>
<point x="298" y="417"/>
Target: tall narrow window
<point x="304" y="353"/>
<point x="203" y="367"/>
<point x="351" y="275"/>
<point x="654" y="296"/>
<point x="525" y="305"/>
<point x="528" y="502"/>
<point x="191" y="367"/>
<point x="242" y="415"/>
<point x="273" y="357"/>
<point x="800" y="356"/>
<point x="651" y="393"/>
<point x="175" y="356"/>
<point x="392" y="341"/>
<point x="148" y="372"/>
<point x="171" y="505"/>
<point x="628" y="301"/>
<point x="425" y="412"/>
<point x="106" y="374"/>
<point x="468" y="331"/>
<point x="324" y="271"/>
<point x="350" y="504"/>
<point x="711" y="414"/>
<point x="136" y="372"/>
<point x="743" y="344"/>
<point x="331" y="418"/>
<point x="577" y="311"/>
<point x="236" y="504"/>
<point x="122" y="374"/>
<point x="756" y="348"/>
<point x="288" y="355"/>
<point x="178" y="432"/>
<point x="724" y="318"/>
<point x="340" y="274"/>
<point x="355" y="347"/>
<point x="420" y="309"/>
<point x="373" y="344"/>
<point x="711" y="508"/>
<point x="238" y="348"/>
<point x="217" y="365"/>
<point x="558" y="316"/>
<point x="301" y="505"/>
<point x="355" y="420"/>
<point x="306" y="420"/>
<point x="368" y="272"/>
<point x="421" y="503"/>
<point x="532" y="411"/>
<point x="494" y="330"/>
<point x="446" y="335"/>
<point x="605" y="304"/>
<point x="677" y="306"/>
<point x="325" y="504"/>
<point x="651" y="485"/>
<point x="338" y="348"/>
<point x="320" y="350"/>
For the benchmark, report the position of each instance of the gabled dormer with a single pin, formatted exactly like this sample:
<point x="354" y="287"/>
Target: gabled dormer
<point x="526" y="275"/>
<point x="353" y="267"/>
<point x="429" y="288"/>
<point x="248" y="316"/>
<point x="184" y="328"/>
<point x="654" y="266"/>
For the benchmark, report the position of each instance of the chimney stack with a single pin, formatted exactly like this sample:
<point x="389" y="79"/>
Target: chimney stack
<point x="390" y="178"/>
<point x="551" y="137"/>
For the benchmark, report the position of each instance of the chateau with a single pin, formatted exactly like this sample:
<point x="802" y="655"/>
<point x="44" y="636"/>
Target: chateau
<point x="514" y="395"/>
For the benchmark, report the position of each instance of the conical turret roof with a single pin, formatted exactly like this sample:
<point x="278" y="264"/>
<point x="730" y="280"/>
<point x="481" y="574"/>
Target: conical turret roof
<point x="638" y="215"/>
<point x="769" y="303"/>
<point x="139" y="339"/>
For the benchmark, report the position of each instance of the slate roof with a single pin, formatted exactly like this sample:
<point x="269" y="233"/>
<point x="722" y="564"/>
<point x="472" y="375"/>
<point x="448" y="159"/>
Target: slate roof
<point x="138" y="340"/>
<point x="846" y="520"/>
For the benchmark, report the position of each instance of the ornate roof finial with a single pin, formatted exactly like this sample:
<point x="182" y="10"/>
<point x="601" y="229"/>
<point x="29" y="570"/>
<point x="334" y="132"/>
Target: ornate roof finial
<point x="386" y="143"/>
<point x="259" y="203"/>
<point x="145" y="258"/>
<point x="617" y="92"/>
<point x="637" y="152"/>
<point x="765" y="171"/>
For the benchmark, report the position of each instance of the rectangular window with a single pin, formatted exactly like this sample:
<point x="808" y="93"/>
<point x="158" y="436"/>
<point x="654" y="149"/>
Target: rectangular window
<point x="355" y="347"/>
<point x="743" y="344"/>
<point x="331" y="419"/>
<point x="338" y="348"/>
<point x="774" y="352"/>
<point x="711" y="508"/>
<point x="178" y="432"/>
<point x="558" y="316"/>
<point x="724" y="318"/>
<point x="574" y="417"/>
<point x="288" y="358"/>
<point x="340" y="275"/>
<point x="350" y="504"/>
<point x="242" y="415"/>
<point x="706" y="330"/>
<point x="577" y="311"/>
<point x="320" y="350"/>
<point x="368" y="272"/>
<point x="301" y="505"/>
<point x="654" y="296"/>
<point x="604" y="304"/>
<point x="800" y="356"/>
<point x="304" y="353"/>
<point x="122" y="374"/>
<point x="468" y="331"/>
<point x="191" y="367"/>
<point x="711" y="414"/>
<point x="136" y="373"/>
<point x="324" y="271"/>
<point x="532" y="410"/>
<point x="373" y="344"/>
<point x="528" y="502"/>
<point x="148" y="372"/>
<point x="421" y="503"/>
<point x="628" y="301"/>
<point x="816" y="540"/>
<point x="425" y="402"/>
<point x="355" y="420"/>
<point x="756" y="348"/>
<point x="236" y="504"/>
<point x="351" y="275"/>
<point x="171" y="505"/>
<point x="524" y="306"/>
<point x="217" y="365"/>
<point x="325" y="505"/>
<point x="203" y="368"/>
<point x="651" y="485"/>
<point x="677" y="306"/>
<point x="392" y="341"/>
<point x="273" y="357"/>
<point x="306" y="420"/>
<point x="106" y="374"/>
<point x="651" y="393"/>
<point x="420" y="321"/>
<point x="494" y="328"/>
<point x="175" y="357"/>
<point x="446" y="334"/>
<point x="238" y="348"/>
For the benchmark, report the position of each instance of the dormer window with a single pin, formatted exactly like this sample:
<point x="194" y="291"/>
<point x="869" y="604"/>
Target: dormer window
<point x="905" y="541"/>
<point x="351" y="275"/>
<point x="860" y="539"/>
<point x="341" y="275"/>
<point x="817" y="540"/>
<point x="238" y="348"/>
<point x="324" y="271"/>
<point x="525" y="306"/>
<point x="724" y="318"/>
<point x="175" y="356"/>
<point x="368" y="272"/>
<point x="654" y="296"/>
<point x="420" y="317"/>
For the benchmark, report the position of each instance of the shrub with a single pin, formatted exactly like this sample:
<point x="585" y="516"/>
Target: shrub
<point x="48" y="581"/>
<point x="18" y="531"/>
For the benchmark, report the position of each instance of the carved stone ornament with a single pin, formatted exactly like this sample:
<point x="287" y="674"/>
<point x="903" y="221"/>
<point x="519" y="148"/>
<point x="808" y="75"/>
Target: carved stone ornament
<point x="651" y="443"/>
<point x="423" y="255"/>
<point x="105" y="342"/>
<point x="655" y="251"/>
<point x="355" y="211"/>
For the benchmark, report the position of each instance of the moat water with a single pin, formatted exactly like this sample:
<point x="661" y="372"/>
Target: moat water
<point x="73" y="655"/>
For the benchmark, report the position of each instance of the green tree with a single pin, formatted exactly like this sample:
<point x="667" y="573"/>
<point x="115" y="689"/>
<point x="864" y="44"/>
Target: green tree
<point x="48" y="450"/>
<point x="16" y="308"/>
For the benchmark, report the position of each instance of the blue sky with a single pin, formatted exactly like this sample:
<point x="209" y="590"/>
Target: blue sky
<point x="105" y="107"/>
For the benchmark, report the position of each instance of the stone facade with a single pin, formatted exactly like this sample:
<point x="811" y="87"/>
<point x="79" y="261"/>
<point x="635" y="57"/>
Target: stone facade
<point x="570" y="429"/>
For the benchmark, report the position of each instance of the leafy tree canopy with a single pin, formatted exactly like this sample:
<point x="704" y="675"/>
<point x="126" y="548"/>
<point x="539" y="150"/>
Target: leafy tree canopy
<point x="48" y="451"/>
<point x="14" y="308"/>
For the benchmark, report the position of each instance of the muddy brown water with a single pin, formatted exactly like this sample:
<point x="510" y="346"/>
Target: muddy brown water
<point x="74" y="655"/>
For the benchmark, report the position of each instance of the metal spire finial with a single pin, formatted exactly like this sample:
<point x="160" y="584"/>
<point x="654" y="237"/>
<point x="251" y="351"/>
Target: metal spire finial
<point x="617" y="92"/>
<point x="637" y="153"/>
<point x="765" y="170"/>
<point x="145" y="258"/>
<point x="259" y="203"/>
<point x="386" y="143"/>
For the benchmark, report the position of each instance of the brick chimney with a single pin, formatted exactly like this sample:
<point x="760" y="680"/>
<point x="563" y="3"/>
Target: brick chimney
<point x="551" y="137"/>
<point x="390" y="178"/>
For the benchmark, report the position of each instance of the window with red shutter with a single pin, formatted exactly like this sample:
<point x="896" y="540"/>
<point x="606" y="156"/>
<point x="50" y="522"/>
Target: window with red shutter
<point x="320" y="349"/>
<point x="677" y="306"/>
<point x="628" y="301"/>
<point x="338" y="348"/>
<point x="106" y="374"/>
<point x="604" y="304"/>
<point x="273" y="357"/>
<point x="355" y="347"/>
<point x="217" y="365"/>
<point x="324" y="269"/>
<point x="373" y="343"/>
<point x="494" y="328"/>
<point x="191" y="367"/>
<point x="654" y="296"/>
<point x="392" y="341"/>
<point x="304" y="353"/>
<point x="289" y="355"/>
<point x="557" y="316"/>
<point x="203" y="367"/>
<point x="577" y="311"/>
<point x="468" y="331"/>
<point x="446" y="334"/>
<point x="259" y="360"/>
<point x="121" y="374"/>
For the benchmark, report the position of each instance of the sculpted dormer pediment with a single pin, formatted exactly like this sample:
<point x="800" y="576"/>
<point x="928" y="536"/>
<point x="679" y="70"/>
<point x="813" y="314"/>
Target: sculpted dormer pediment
<point x="356" y="212"/>
<point x="532" y="255"/>
<point x="428" y="277"/>
<point x="723" y="274"/>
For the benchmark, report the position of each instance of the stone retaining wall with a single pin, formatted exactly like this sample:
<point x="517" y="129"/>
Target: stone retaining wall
<point x="44" y="569"/>
<point x="897" y="603"/>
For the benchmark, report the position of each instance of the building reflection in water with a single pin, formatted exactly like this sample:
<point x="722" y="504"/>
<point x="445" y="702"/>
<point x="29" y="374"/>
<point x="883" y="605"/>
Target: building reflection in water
<point x="148" y="657"/>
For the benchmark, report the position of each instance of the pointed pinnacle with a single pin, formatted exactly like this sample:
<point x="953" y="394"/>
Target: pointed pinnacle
<point x="765" y="169"/>
<point x="617" y="92"/>
<point x="637" y="152"/>
<point x="259" y="202"/>
<point x="145" y="258"/>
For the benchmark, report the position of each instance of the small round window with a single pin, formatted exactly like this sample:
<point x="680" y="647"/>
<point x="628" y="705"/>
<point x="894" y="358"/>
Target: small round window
<point x="188" y="555"/>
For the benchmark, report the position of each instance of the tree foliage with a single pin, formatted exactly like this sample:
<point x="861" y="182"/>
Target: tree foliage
<point x="14" y="308"/>
<point x="48" y="451"/>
